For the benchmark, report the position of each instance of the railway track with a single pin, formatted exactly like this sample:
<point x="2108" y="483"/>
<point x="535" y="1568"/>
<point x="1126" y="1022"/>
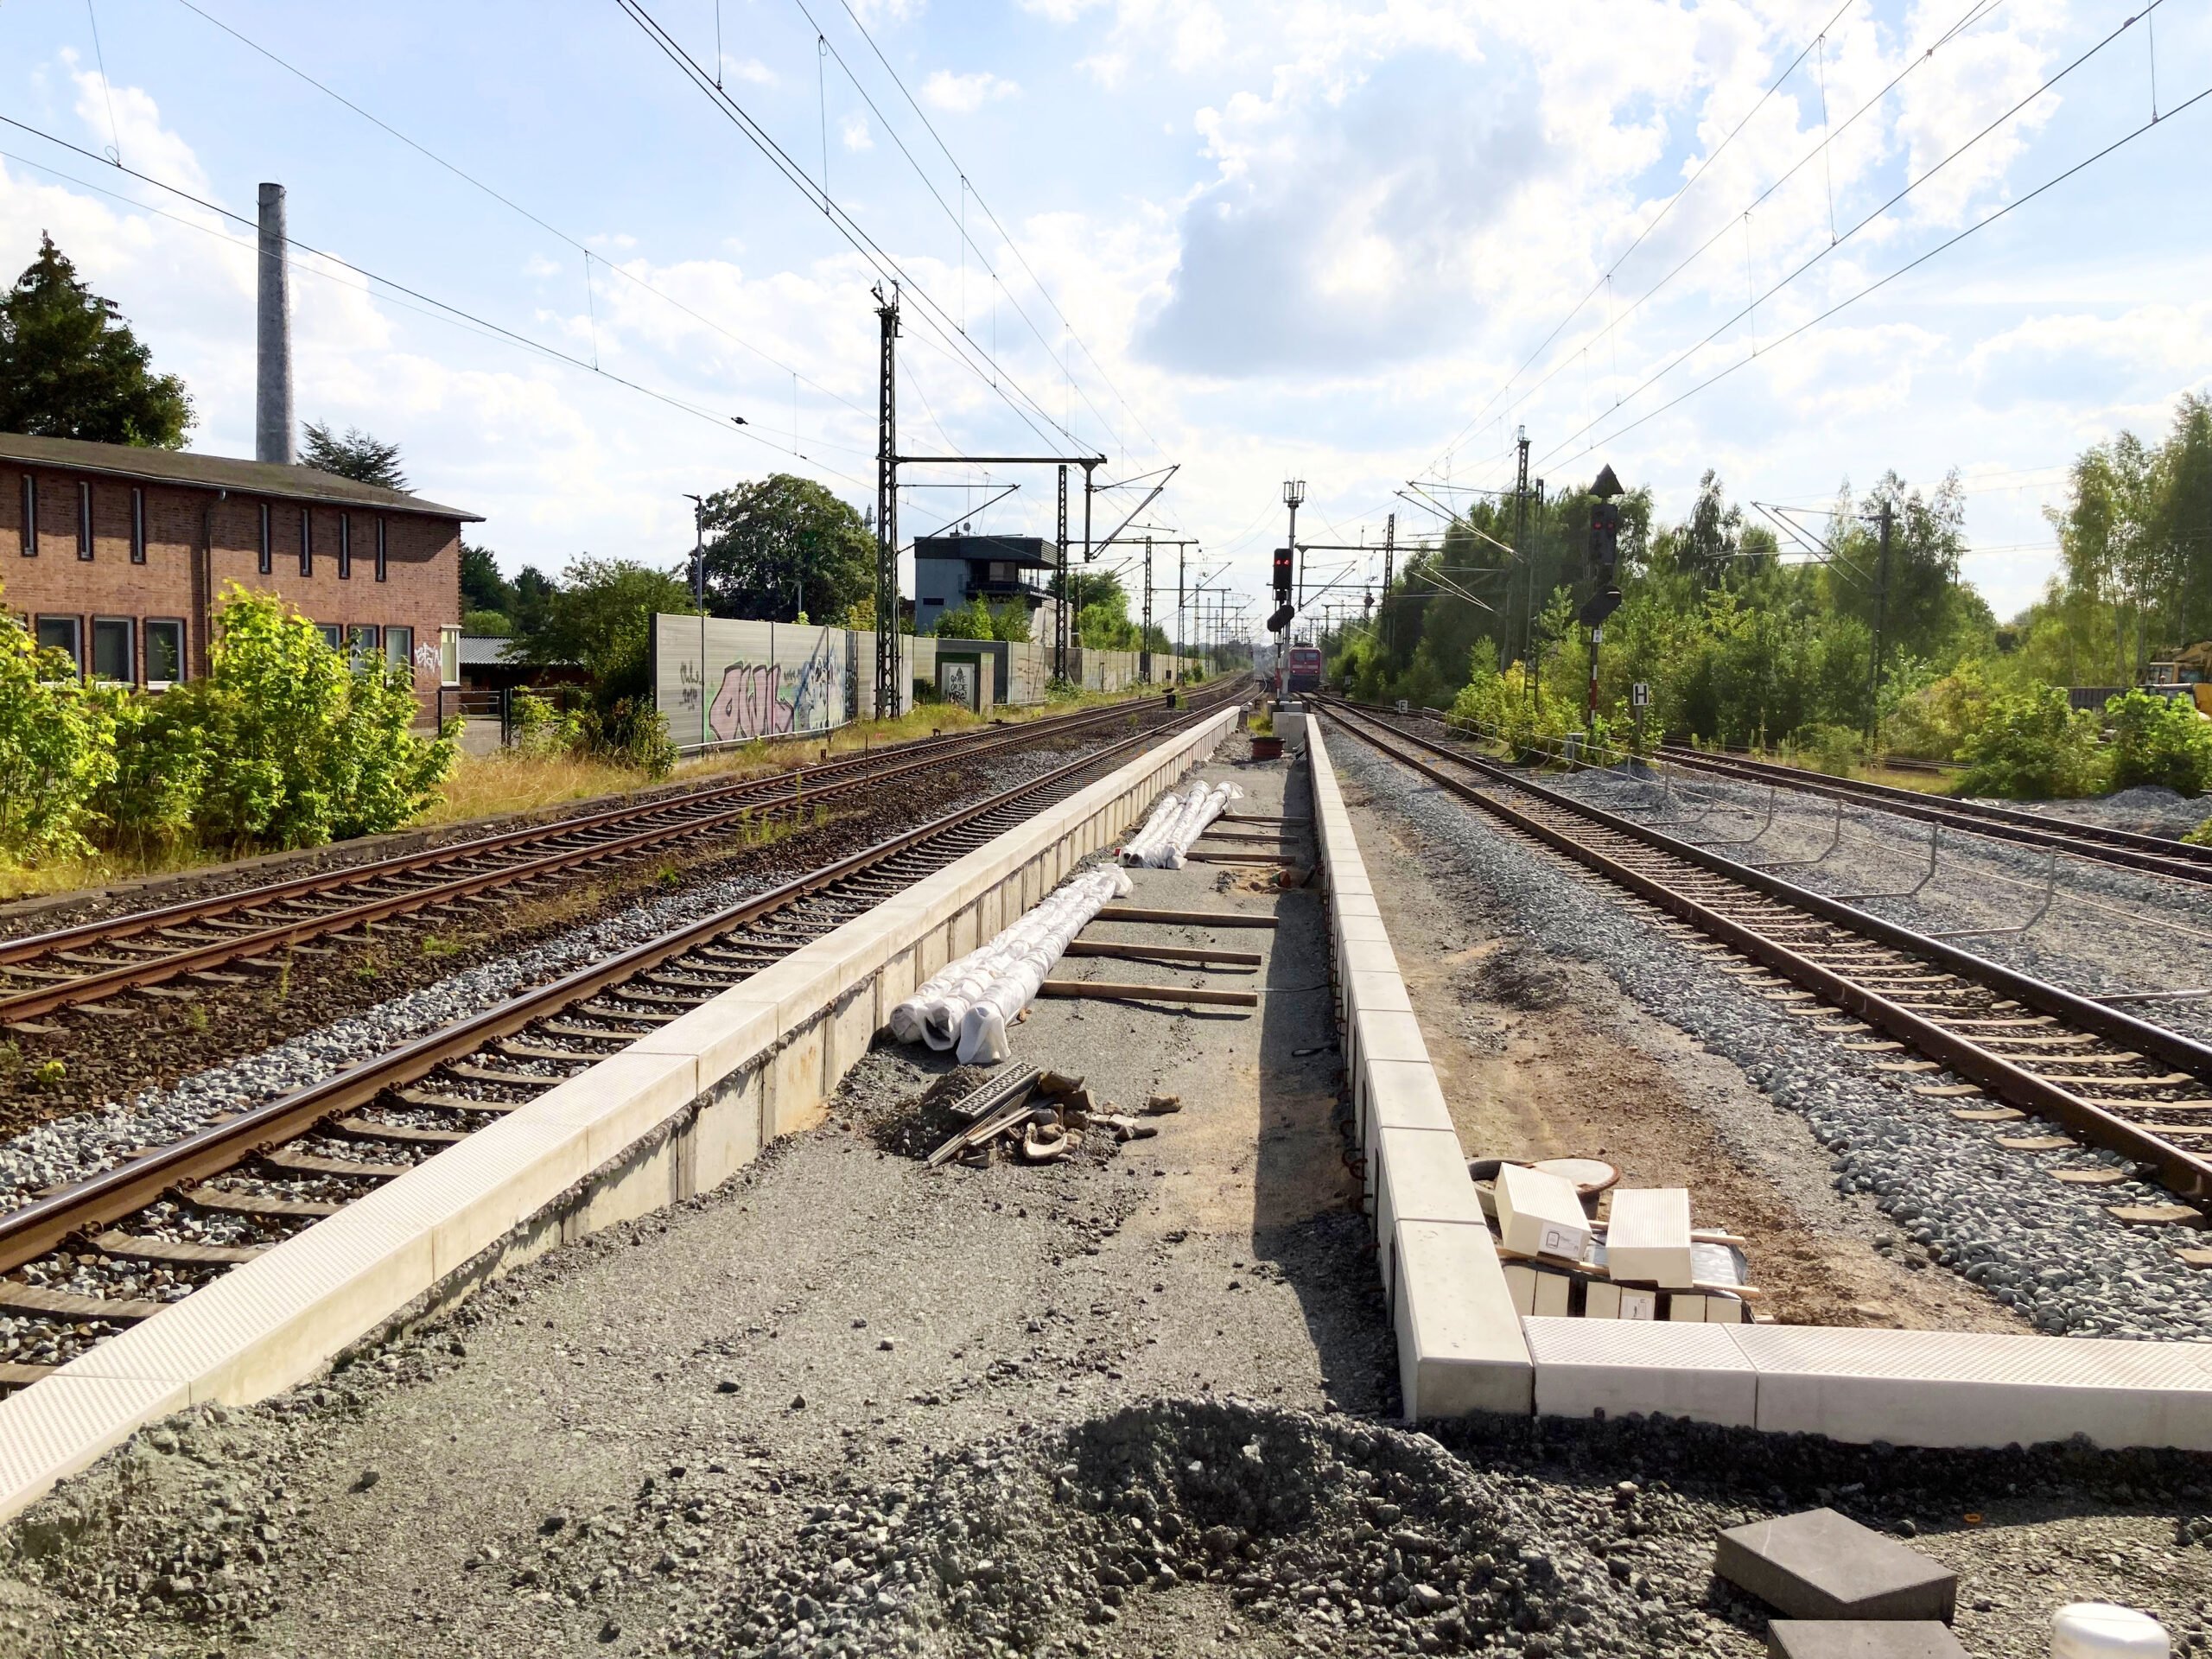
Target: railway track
<point x="82" y="1263"/>
<point x="2153" y="855"/>
<point x="254" y="927"/>
<point x="1931" y="1012"/>
<point x="2073" y="837"/>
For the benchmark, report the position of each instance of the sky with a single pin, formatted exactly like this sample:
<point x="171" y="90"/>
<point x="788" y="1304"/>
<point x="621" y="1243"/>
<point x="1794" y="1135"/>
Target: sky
<point x="1800" y="243"/>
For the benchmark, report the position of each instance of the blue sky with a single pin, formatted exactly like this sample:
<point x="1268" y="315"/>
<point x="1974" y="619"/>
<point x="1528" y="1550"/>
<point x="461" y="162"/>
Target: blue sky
<point x="1302" y="239"/>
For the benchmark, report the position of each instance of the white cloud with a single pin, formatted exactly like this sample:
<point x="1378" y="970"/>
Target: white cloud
<point x="749" y="70"/>
<point x="965" y="94"/>
<point x="539" y="266"/>
<point x="854" y="133"/>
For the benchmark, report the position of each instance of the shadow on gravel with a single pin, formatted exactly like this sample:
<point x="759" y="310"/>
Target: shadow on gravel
<point x="1307" y="1213"/>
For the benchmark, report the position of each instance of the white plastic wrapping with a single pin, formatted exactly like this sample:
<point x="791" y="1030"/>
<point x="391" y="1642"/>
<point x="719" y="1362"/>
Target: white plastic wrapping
<point x="1003" y="975"/>
<point x="1177" y="822"/>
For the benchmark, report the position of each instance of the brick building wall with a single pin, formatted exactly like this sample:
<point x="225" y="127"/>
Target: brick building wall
<point x="162" y="555"/>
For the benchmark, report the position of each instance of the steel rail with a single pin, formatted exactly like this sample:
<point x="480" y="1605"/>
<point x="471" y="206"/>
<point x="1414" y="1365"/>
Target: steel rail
<point x="741" y="801"/>
<point x="50" y="1221"/>
<point x="2155" y="854"/>
<point x="2180" y="1169"/>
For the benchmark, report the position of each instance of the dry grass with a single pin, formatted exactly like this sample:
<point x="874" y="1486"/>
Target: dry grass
<point x="95" y="870"/>
<point x="484" y="786"/>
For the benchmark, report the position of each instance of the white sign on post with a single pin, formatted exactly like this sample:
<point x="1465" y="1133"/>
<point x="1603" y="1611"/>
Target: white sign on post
<point x="1639" y="695"/>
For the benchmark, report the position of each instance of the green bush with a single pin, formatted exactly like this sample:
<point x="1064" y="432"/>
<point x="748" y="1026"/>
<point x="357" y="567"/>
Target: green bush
<point x="630" y="732"/>
<point x="161" y="767"/>
<point x="300" y="748"/>
<point x="57" y="749"/>
<point x="2158" y="739"/>
<point x="542" y="727"/>
<point x="2031" y="746"/>
<point x="1836" y="749"/>
<point x="2201" y="835"/>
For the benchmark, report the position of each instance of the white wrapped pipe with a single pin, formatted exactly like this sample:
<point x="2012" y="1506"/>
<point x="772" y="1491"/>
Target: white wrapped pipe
<point x="1176" y="823"/>
<point x="936" y="1012"/>
<point x="1021" y="970"/>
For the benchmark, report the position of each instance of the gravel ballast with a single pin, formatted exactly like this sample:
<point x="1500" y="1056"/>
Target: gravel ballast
<point x="1957" y="1199"/>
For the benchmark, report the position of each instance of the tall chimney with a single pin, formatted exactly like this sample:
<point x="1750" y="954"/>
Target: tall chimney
<point x="273" y="400"/>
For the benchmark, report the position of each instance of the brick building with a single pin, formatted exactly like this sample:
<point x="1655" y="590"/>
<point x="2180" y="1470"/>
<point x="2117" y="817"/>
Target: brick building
<point x="118" y="555"/>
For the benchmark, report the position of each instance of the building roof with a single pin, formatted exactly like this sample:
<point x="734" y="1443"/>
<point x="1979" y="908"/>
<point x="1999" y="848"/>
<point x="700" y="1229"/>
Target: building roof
<point x="490" y="651"/>
<point x="1032" y="551"/>
<point x="218" y="473"/>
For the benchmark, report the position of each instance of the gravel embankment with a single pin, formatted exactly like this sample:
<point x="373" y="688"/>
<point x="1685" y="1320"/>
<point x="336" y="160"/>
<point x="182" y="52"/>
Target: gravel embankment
<point x="2109" y="928"/>
<point x="1960" y="1201"/>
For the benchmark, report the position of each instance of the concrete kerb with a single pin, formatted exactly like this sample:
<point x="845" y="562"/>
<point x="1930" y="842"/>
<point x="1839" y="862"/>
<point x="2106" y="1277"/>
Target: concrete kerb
<point x="675" y="1114"/>
<point x="1460" y="1345"/>
<point x="1908" y="1388"/>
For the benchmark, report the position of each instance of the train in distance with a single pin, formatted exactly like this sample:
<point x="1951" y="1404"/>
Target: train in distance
<point x="1301" y="670"/>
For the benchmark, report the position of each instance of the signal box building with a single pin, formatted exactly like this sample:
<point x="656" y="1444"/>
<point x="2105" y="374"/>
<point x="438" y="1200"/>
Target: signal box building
<point x="119" y="556"/>
<point x="950" y="571"/>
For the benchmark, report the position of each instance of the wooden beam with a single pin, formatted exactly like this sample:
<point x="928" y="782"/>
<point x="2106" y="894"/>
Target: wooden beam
<point x="1108" y="991"/>
<point x="1137" y="951"/>
<point x="1184" y="917"/>
<point x="1253" y="817"/>
<point x="1233" y="858"/>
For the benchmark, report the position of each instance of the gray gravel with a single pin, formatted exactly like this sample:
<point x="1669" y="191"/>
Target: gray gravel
<point x="1958" y="1199"/>
<point x="2109" y="928"/>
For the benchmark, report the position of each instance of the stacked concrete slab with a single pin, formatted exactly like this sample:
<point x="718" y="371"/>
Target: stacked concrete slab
<point x="1463" y="1345"/>
<point x="675" y="1114"/>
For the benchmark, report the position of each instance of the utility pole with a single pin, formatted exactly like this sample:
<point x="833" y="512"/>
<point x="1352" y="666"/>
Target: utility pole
<point x="1881" y="622"/>
<point x="1181" y="556"/>
<point x="1144" y="628"/>
<point x="886" y="511"/>
<point x="1520" y="550"/>
<point x="1389" y="549"/>
<point x="1060" y="610"/>
<point x="1293" y="493"/>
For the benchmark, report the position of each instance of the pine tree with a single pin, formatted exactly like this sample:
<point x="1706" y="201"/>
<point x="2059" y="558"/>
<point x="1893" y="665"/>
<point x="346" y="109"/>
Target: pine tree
<point x="357" y="455"/>
<point x="71" y="368"/>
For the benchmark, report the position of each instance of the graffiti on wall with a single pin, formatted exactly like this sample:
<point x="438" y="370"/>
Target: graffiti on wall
<point x="766" y="699"/>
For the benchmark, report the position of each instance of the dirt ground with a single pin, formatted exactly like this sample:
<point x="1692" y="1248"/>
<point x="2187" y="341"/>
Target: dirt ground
<point x="1542" y="1057"/>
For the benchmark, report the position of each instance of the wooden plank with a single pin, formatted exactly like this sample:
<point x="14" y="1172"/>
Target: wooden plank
<point x="1184" y="917"/>
<point x="254" y="1204"/>
<point x="22" y="1376"/>
<point x="2159" y="1215"/>
<point x="305" y="1163"/>
<point x="367" y="1129"/>
<point x="173" y="1249"/>
<point x="1232" y="858"/>
<point x="1136" y="950"/>
<point x="1108" y="991"/>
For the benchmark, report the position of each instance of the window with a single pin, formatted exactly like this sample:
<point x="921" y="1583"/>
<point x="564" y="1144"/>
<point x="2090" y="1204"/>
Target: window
<point x="268" y="548"/>
<point x="380" y="527"/>
<point x="137" y="525"/>
<point x="448" y="656"/>
<point x="333" y="635"/>
<point x="164" y="652"/>
<point x="85" y="518"/>
<point x="399" y="648"/>
<point x="307" y="546"/>
<point x="30" y="516"/>
<point x="360" y="645"/>
<point x="62" y="633"/>
<point x="345" y="547"/>
<point x="113" y="649"/>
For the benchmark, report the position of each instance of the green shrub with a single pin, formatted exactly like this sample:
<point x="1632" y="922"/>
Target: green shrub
<point x="1836" y="749"/>
<point x="629" y="732"/>
<point x="2158" y="739"/>
<point x="2201" y="835"/>
<point x="161" y="767"/>
<point x="57" y="749"/>
<point x="2031" y="745"/>
<point x="300" y="748"/>
<point x="542" y="727"/>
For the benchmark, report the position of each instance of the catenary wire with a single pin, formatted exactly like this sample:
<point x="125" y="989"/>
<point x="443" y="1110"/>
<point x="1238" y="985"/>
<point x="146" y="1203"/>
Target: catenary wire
<point x="428" y="305"/>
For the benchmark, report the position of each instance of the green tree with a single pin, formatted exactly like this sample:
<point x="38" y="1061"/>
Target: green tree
<point x="70" y="367"/>
<point x="482" y="586"/>
<point x="302" y="746"/>
<point x="2032" y="746"/>
<point x="2158" y="739"/>
<point x="782" y="546"/>
<point x="57" y="749"/>
<point x="356" y="455"/>
<point x="600" y="619"/>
